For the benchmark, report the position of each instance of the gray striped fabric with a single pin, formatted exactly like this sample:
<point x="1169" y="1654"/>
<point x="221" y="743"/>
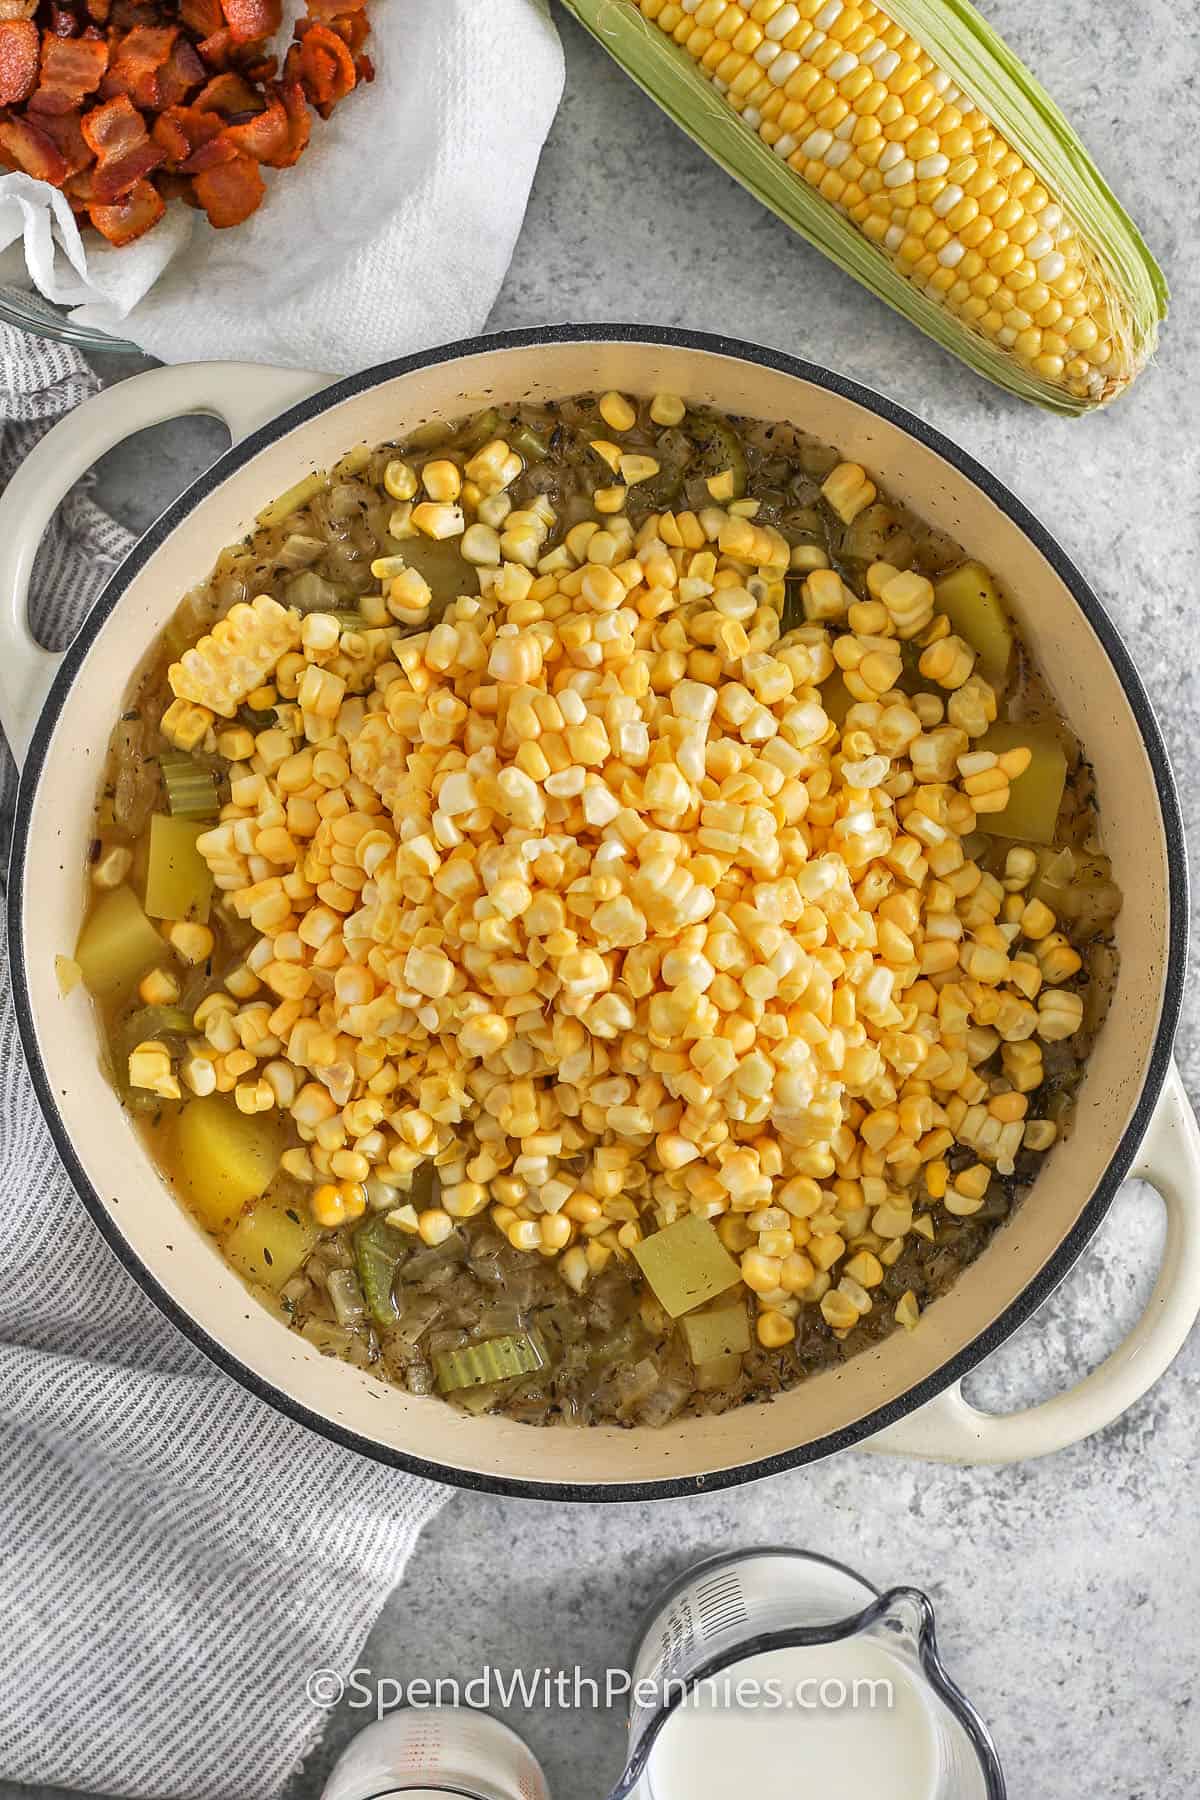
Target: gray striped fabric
<point x="175" y="1558"/>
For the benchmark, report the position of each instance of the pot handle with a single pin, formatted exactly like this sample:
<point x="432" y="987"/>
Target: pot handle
<point x="951" y="1430"/>
<point x="243" y="395"/>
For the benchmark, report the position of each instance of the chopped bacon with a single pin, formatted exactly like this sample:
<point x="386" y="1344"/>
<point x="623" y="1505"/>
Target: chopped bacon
<point x="64" y="131"/>
<point x="201" y="17"/>
<point x="19" y="45"/>
<point x="124" y="104"/>
<point x="230" y="192"/>
<point x="181" y="130"/>
<point x="30" y="148"/>
<point x="217" y="49"/>
<point x="117" y="134"/>
<point x="250" y="19"/>
<point x="142" y="207"/>
<point x="266" y="136"/>
<point x="321" y="62"/>
<point x="227" y="94"/>
<point x="135" y="64"/>
<point x="216" y="150"/>
<point x="72" y="68"/>
<point x="299" y="122"/>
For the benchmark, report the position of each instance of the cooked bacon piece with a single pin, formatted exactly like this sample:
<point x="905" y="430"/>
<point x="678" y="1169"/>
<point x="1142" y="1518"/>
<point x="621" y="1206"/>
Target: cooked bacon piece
<point x="230" y="192"/>
<point x="326" y="11"/>
<point x="181" y="72"/>
<point x="227" y="94"/>
<point x="99" y="10"/>
<point x="63" y="22"/>
<point x="218" y="149"/>
<point x="181" y="130"/>
<point x="64" y="132"/>
<point x="30" y="148"/>
<point x="265" y="137"/>
<point x="19" y="44"/>
<point x="17" y="9"/>
<point x="251" y="19"/>
<point x="130" y="218"/>
<point x="216" y="50"/>
<point x="201" y="17"/>
<point x="299" y="121"/>
<point x="321" y="62"/>
<point x="124" y="152"/>
<point x="72" y="68"/>
<point x="135" y="64"/>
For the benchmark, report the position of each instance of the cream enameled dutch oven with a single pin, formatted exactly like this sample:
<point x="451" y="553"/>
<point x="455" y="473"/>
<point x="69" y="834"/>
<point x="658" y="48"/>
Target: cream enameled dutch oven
<point x="903" y="1395"/>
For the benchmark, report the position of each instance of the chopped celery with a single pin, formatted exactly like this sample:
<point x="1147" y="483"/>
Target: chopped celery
<point x="296" y="496"/>
<point x="348" y="619"/>
<point x="495" y="1360"/>
<point x="178" y="884"/>
<point x="686" y="1264"/>
<point x="529" y="443"/>
<point x="270" y="1241"/>
<point x="1036" y="796"/>
<point x="191" y="788"/>
<point x="226" y="1158"/>
<point x="378" y="1249"/>
<point x="718" y="1372"/>
<point x="969" y="600"/>
<point x="722" y="1332"/>
<point x="117" y="944"/>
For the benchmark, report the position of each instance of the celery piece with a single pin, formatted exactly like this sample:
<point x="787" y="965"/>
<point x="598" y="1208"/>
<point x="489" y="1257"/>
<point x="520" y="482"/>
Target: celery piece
<point x="969" y="600"/>
<point x="293" y="499"/>
<point x="378" y="1249"/>
<point x="494" y="1360"/>
<point x="191" y="788"/>
<point x="270" y="1241"/>
<point x="117" y="944"/>
<point x="226" y="1158"/>
<point x="718" y="1372"/>
<point x="722" y="1332"/>
<point x="1036" y="796"/>
<point x="178" y="883"/>
<point x="686" y="1264"/>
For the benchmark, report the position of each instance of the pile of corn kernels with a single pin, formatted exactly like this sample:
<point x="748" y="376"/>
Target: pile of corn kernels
<point x="580" y="893"/>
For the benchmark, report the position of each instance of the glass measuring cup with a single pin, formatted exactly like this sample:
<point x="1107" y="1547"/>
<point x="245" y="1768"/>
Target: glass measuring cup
<point x="786" y="1672"/>
<point x="437" y="1753"/>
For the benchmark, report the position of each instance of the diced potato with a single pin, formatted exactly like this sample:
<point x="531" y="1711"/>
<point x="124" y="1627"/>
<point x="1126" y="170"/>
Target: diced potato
<point x="722" y="1332"/>
<point x="117" y="944"/>
<point x="226" y="1158"/>
<point x="686" y="1264"/>
<point x="1035" y="796"/>
<point x="269" y="1242"/>
<point x="178" y="884"/>
<point x="969" y="600"/>
<point x="718" y="1372"/>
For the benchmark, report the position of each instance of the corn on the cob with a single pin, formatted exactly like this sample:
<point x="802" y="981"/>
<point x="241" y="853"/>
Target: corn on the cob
<point x="909" y="144"/>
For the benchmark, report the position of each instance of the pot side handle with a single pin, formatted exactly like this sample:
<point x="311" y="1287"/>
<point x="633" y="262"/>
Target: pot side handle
<point x="950" y="1430"/>
<point x="243" y="395"/>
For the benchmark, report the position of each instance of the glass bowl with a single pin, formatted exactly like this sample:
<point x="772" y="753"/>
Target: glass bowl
<point x="29" y="311"/>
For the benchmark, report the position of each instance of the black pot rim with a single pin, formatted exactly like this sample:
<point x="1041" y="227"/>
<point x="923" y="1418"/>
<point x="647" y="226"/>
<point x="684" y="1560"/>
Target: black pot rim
<point x="1052" y="1271"/>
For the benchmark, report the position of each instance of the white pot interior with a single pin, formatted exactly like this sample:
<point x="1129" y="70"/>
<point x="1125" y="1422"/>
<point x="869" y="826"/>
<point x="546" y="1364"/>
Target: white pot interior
<point x="184" y="1261"/>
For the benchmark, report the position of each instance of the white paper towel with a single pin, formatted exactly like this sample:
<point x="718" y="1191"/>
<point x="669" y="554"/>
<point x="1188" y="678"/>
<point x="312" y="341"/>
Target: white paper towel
<point x="391" y="233"/>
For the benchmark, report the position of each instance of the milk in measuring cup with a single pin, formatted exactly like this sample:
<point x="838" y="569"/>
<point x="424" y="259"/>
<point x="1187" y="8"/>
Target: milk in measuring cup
<point x="713" y="1747"/>
<point x="432" y="1753"/>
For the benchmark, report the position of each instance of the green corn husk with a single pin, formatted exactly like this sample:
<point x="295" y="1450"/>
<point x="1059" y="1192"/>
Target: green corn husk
<point x="981" y="64"/>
